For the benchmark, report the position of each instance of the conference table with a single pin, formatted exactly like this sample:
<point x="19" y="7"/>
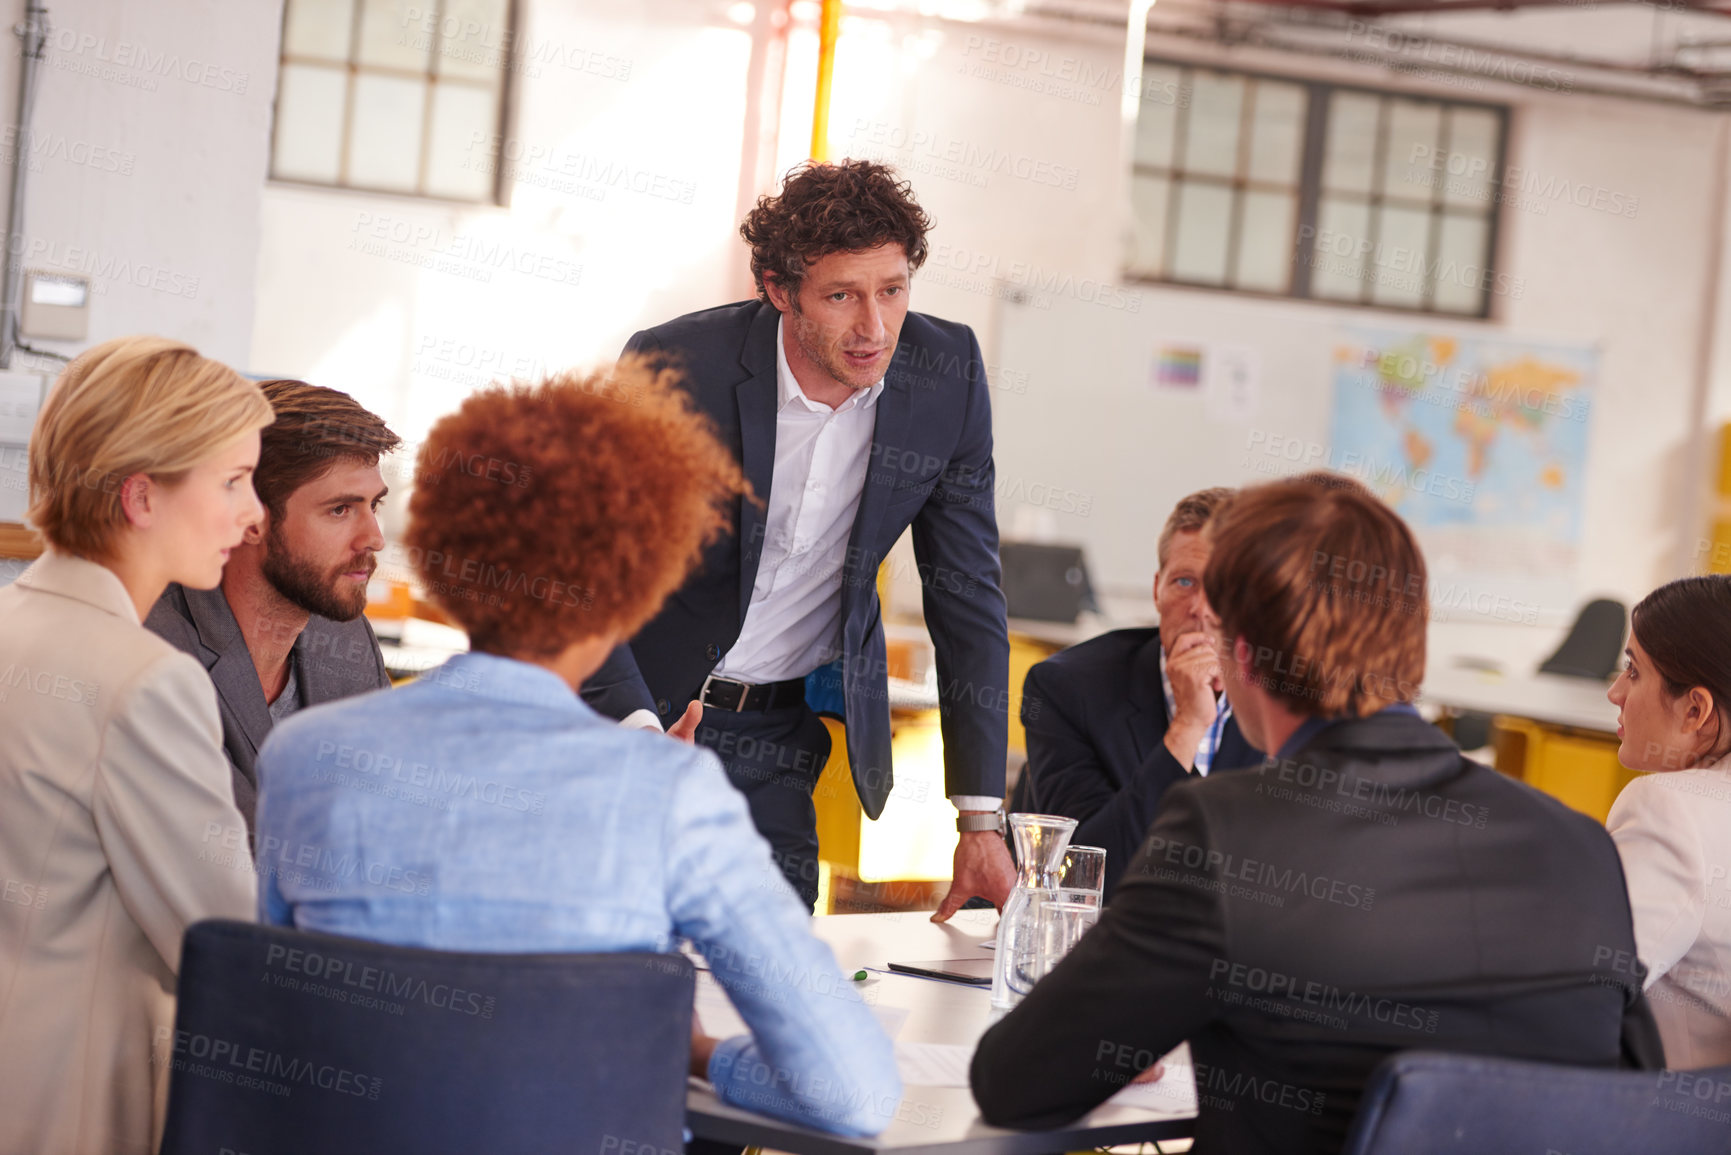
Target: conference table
<point x="935" y="1025"/>
<point x="1579" y="703"/>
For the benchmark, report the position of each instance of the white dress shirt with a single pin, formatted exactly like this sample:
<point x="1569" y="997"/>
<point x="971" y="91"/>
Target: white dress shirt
<point x="793" y="624"/>
<point x="1673" y="831"/>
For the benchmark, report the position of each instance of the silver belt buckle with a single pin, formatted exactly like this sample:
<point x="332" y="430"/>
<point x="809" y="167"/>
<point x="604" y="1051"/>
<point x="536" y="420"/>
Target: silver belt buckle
<point x="703" y="694"/>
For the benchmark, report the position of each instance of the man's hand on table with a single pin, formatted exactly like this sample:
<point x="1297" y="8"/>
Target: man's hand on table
<point x="982" y="867"/>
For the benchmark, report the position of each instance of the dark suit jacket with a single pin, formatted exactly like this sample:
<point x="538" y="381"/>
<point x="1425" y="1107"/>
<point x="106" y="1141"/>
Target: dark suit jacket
<point x="930" y="466"/>
<point x="1375" y="892"/>
<point x="332" y="660"/>
<point x="1095" y="717"/>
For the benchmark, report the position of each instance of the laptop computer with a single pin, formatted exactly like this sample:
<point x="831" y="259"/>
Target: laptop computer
<point x="1047" y="583"/>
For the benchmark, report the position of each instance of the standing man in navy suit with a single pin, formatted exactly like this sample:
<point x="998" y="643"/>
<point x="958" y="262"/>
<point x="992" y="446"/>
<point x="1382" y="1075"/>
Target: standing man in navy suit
<point x="1114" y="721"/>
<point x="853" y="418"/>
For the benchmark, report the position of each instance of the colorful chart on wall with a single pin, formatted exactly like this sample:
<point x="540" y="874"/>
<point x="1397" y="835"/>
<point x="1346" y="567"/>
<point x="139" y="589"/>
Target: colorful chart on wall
<point x="1480" y="443"/>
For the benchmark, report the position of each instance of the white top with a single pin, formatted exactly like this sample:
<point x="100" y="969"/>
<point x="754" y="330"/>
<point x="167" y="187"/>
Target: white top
<point x="793" y="624"/>
<point x="1673" y="831"/>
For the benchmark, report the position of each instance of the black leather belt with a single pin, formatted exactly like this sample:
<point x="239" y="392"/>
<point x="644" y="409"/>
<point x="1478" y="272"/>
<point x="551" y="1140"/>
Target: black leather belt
<point x="726" y="694"/>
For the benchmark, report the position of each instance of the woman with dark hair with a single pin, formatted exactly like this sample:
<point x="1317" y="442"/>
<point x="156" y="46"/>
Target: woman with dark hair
<point x="1673" y="827"/>
<point x="494" y="810"/>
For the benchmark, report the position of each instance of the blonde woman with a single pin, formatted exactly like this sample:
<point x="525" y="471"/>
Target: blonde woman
<point x="117" y="819"/>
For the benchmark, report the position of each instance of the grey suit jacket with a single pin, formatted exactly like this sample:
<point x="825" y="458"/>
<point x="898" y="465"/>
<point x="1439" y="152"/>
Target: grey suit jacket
<point x="332" y="660"/>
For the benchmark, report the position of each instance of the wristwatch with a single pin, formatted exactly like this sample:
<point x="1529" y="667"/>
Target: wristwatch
<point x="975" y="823"/>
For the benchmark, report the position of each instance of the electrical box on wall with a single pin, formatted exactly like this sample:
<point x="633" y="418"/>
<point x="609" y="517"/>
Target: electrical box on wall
<point x="56" y="306"/>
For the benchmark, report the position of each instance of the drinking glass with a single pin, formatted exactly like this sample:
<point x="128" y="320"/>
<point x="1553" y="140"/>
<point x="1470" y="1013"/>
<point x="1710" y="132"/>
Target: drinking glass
<point x="1083" y="874"/>
<point x="1062" y="925"/>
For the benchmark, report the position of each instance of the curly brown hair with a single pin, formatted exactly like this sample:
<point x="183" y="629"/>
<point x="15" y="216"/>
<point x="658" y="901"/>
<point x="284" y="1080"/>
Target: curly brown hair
<point x="832" y="208"/>
<point x="544" y="515"/>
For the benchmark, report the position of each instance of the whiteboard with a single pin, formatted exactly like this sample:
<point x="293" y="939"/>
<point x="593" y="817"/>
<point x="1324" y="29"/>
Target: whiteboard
<point x="1076" y="410"/>
<point x="1090" y="440"/>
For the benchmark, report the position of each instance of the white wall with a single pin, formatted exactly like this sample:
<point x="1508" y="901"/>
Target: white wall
<point x="622" y="211"/>
<point x="1021" y="166"/>
<point x="1632" y="286"/>
<point x="151" y="134"/>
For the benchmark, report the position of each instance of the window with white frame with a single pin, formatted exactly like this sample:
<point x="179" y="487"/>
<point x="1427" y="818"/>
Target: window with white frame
<point x="1301" y="188"/>
<point x="391" y="96"/>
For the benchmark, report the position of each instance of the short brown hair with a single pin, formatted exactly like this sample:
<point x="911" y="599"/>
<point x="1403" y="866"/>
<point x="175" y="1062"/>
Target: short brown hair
<point x="1192" y="512"/>
<point x="543" y="515"/>
<point x="131" y="405"/>
<point x="1327" y="587"/>
<point x="832" y="208"/>
<point x="315" y="428"/>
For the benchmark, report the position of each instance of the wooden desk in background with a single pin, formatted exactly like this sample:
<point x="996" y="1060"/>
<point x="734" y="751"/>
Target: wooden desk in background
<point x="18" y="541"/>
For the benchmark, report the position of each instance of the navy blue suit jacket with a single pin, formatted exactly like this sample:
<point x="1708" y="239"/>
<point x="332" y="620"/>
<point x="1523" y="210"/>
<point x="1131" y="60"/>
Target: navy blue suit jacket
<point x="930" y="466"/>
<point x="1095" y="717"/>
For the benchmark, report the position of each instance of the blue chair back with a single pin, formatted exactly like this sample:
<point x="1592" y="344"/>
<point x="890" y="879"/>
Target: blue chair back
<point x="1430" y="1103"/>
<point x="286" y="1041"/>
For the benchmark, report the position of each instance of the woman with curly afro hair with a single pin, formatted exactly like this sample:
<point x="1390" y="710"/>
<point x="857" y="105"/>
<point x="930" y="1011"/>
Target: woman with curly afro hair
<point x="502" y="812"/>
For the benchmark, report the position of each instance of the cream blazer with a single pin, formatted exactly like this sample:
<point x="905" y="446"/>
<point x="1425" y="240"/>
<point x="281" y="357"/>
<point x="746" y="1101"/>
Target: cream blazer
<point x="116" y="821"/>
<point x="1673" y="831"/>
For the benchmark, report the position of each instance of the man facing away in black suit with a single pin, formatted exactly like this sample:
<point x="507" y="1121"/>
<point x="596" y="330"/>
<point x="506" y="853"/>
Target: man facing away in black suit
<point x="854" y="419"/>
<point x="285" y="629"/>
<point x="1366" y="890"/>
<point x="1115" y="720"/>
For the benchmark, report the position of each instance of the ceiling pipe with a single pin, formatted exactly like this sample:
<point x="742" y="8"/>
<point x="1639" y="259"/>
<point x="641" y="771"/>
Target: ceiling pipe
<point x="1701" y="437"/>
<point x="1270" y="33"/>
<point x="828" y="32"/>
<point x="33" y="38"/>
<point x="766" y="79"/>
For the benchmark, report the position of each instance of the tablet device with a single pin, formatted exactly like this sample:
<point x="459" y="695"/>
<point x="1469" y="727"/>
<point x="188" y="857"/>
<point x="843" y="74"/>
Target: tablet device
<point x="976" y="972"/>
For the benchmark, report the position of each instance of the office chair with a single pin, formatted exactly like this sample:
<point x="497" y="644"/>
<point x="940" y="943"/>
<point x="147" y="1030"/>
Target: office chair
<point x="288" y="1041"/>
<point x="1595" y="642"/>
<point x="1431" y="1103"/>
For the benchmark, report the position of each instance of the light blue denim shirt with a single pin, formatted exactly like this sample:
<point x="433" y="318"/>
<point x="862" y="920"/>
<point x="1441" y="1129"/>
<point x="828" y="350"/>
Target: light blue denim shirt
<point x="486" y="807"/>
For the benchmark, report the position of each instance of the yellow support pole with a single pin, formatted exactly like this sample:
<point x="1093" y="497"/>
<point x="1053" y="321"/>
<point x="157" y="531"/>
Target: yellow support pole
<point x="829" y="31"/>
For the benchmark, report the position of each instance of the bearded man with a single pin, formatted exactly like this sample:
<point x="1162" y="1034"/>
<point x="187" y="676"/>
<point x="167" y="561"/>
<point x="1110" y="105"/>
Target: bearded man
<point x="284" y="630"/>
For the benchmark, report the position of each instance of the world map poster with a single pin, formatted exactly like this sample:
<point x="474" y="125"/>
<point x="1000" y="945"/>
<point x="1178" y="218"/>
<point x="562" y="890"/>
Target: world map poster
<point x="1480" y="443"/>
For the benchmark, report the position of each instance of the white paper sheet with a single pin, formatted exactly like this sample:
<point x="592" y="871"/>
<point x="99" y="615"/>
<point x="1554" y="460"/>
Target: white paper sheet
<point x="720" y="1018"/>
<point x="1173" y="1094"/>
<point x="933" y="1064"/>
<point x="946" y="1065"/>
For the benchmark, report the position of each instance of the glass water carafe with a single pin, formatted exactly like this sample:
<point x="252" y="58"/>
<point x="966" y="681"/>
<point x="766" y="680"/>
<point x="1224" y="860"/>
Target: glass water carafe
<point x="1040" y="841"/>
